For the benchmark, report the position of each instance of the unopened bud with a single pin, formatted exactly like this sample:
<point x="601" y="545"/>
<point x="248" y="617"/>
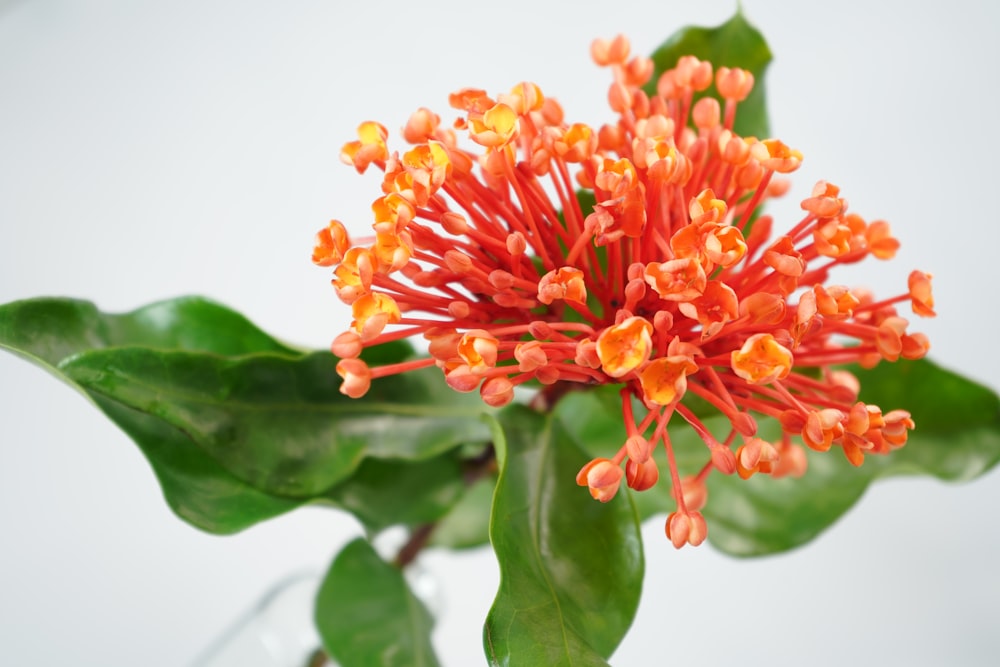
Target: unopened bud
<point x="497" y="392"/>
<point x="639" y="448"/>
<point x="357" y="377"/>
<point x="694" y="494"/>
<point x="641" y="476"/>
<point x="686" y="528"/>
<point x="516" y="245"/>
<point x="540" y="330"/>
<point x="454" y="223"/>
<point x="458" y="261"/>
<point x="724" y="460"/>
<point x="602" y="477"/>
<point x="459" y="309"/>
<point x="347" y="345"/>
<point x="462" y="379"/>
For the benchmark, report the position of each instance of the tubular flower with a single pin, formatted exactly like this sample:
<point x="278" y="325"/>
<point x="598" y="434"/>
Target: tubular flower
<point x="669" y="285"/>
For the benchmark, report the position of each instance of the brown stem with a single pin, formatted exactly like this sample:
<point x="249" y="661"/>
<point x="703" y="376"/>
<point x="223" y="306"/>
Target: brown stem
<point x="476" y="468"/>
<point x="472" y="471"/>
<point x="318" y="658"/>
<point x="418" y="539"/>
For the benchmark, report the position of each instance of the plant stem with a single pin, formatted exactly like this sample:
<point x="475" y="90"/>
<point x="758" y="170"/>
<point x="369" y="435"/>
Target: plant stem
<point x="472" y="471"/>
<point x="318" y="658"/>
<point x="410" y="550"/>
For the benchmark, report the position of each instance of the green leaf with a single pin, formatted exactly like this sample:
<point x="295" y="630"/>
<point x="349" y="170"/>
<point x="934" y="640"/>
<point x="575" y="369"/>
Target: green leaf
<point x="47" y="330"/>
<point x="238" y="427"/>
<point x="594" y="419"/>
<point x="280" y="423"/>
<point x="467" y="524"/>
<point x="197" y="488"/>
<point x="570" y="567"/>
<point x="957" y="438"/>
<point x="763" y="515"/>
<point x="735" y="43"/>
<point x="383" y="493"/>
<point x="368" y="617"/>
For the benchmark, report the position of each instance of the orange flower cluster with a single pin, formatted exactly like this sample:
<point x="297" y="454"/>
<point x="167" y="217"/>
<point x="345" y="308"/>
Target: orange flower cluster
<point x="670" y="285"/>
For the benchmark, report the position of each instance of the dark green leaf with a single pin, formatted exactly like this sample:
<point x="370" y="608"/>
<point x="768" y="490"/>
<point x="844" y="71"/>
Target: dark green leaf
<point x="280" y="423"/>
<point x="195" y="486"/>
<point x="383" y="493"/>
<point x="51" y="330"/>
<point x="45" y="331"/>
<point x="570" y="567"/>
<point x="367" y="615"/>
<point x="735" y="43"/>
<point x="237" y="427"/>
<point x="593" y="418"/>
<point x="387" y="353"/>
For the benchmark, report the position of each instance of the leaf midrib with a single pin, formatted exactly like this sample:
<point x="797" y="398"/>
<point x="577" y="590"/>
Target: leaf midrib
<point x="404" y="409"/>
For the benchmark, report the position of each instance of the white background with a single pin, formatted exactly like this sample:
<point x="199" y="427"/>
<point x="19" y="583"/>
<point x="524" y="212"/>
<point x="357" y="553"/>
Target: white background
<point x="153" y="149"/>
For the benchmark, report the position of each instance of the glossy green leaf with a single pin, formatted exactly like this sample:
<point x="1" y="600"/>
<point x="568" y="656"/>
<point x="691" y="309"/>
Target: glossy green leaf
<point x="238" y="427"/>
<point x="958" y="421"/>
<point x="570" y="567"/>
<point x="735" y="43"/>
<point x="368" y="617"/>
<point x="196" y="487"/>
<point x="594" y="418"/>
<point x="383" y="493"/>
<point x="957" y="438"/>
<point x="280" y="423"/>
<point x="49" y="330"/>
<point x="467" y="524"/>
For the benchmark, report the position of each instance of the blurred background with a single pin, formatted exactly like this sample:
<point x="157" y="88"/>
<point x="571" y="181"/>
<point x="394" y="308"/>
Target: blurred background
<point x="152" y="149"/>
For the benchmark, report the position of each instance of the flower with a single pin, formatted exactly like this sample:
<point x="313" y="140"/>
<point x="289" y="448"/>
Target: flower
<point x="671" y="285"/>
